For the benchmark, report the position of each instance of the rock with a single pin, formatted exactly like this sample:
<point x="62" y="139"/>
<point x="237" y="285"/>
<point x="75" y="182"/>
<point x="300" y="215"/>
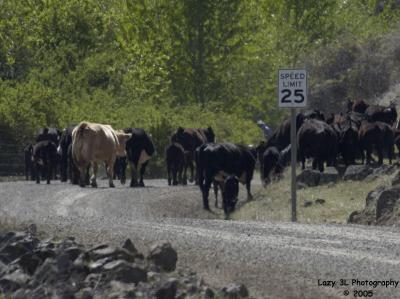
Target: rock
<point x="29" y="262"/>
<point x="121" y="270"/>
<point x="124" y="290"/>
<point x="108" y="251"/>
<point x="320" y="201"/>
<point x="73" y="252"/>
<point x="386" y="203"/>
<point x="208" y="293"/>
<point x="330" y="175"/>
<point x="357" y="172"/>
<point x="47" y="272"/>
<point x="396" y="179"/>
<point x="234" y="291"/>
<point x="85" y="293"/>
<point x="13" y="251"/>
<point x="307" y="203"/>
<point x="14" y="281"/>
<point x="164" y="256"/>
<point x="381" y="207"/>
<point x="97" y="266"/>
<point x="167" y="290"/>
<point x="309" y="177"/>
<point x="92" y="280"/>
<point x="128" y="245"/>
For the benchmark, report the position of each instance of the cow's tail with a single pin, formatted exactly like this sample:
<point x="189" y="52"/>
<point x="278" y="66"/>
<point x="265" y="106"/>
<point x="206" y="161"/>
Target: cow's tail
<point x="77" y="136"/>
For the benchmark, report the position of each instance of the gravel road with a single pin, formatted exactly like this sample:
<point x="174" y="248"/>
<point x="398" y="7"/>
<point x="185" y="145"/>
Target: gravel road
<point x="274" y="260"/>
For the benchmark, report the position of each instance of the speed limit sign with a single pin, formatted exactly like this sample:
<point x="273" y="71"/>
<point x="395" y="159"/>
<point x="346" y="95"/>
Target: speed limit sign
<point x="292" y="88"/>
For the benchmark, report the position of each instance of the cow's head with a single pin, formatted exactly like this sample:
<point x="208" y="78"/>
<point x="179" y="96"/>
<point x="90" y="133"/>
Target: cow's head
<point x="122" y="139"/>
<point x="230" y="194"/>
<point x="209" y="134"/>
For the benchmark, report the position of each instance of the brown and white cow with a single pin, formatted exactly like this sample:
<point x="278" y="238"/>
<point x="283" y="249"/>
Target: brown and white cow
<point x="94" y="143"/>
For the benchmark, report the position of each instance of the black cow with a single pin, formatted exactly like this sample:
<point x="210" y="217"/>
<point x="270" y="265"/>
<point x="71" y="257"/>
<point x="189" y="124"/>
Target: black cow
<point x="51" y="134"/>
<point x="65" y="142"/>
<point x="348" y="142"/>
<point x="191" y="139"/>
<point x="139" y="149"/>
<point x="359" y="106"/>
<point x="219" y="161"/>
<point x="376" y="135"/>
<point x="230" y="191"/>
<point x="270" y="164"/>
<point x="29" y="170"/>
<point x="175" y="158"/>
<point x="44" y="157"/>
<point x="383" y="114"/>
<point x="281" y="136"/>
<point x="316" y="139"/>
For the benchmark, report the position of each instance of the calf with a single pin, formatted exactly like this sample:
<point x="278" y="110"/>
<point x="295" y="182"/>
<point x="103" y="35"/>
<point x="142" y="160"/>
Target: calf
<point x="44" y="157"/>
<point x="219" y="161"/>
<point x="230" y="191"/>
<point x="316" y="139"/>
<point x="175" y="158"/>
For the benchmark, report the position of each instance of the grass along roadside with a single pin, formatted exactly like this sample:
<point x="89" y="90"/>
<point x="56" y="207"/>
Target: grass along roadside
<point x="273" y="203"/>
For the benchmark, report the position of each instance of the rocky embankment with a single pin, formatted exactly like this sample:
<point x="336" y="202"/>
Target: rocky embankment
<point x="33" y="268"/>
<point x="382" y="205"/>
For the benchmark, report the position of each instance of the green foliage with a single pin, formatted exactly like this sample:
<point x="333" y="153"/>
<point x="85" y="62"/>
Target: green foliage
<point x="168" y="63"/>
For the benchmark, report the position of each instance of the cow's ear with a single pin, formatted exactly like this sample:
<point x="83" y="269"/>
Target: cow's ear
<point x="127" y="136"/>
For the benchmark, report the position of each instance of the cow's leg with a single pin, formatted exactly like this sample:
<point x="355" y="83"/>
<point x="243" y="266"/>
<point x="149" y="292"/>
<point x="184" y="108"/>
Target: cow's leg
<point x="184" y="179"/>
<point x="390" y="152"/>
<point x="49" y="171"/>
<point x="174" y="172"/>
<point x="180" y="172"/>
<point x="26" y="172"/>
<point x="38" y="172"/>
<point x="380" y="155"/>
<point x="191" y="165"/>
<point x="134" y="182"/>
<point x="206" y="190"/>
<point x="110" y="171"/>
<point x="95" y="167"/>
<point x="314" y="163"/>
<point x="321" y="165"/>
<point x="123" y="171"/>
<point x="142" y="170"/>
<point x="216" y="184"/>
<point x="249" y="177"/>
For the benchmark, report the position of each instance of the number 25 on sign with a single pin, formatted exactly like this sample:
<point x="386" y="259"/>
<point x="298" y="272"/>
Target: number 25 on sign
<point x="292" y="88"/>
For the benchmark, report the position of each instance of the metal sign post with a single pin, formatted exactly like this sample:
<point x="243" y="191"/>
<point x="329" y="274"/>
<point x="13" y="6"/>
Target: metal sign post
<point x="292" y="93"/>
<point x="293" y="142"/>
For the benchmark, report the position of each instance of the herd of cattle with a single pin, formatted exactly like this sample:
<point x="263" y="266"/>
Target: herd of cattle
<point x="348" y="137"/>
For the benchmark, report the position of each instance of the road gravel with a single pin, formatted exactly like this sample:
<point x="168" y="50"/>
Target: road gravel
<point x="274" y="260"/>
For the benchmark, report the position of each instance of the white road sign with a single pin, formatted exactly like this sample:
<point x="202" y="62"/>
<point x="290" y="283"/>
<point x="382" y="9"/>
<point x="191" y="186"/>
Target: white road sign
<point x="292" y="88"/>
